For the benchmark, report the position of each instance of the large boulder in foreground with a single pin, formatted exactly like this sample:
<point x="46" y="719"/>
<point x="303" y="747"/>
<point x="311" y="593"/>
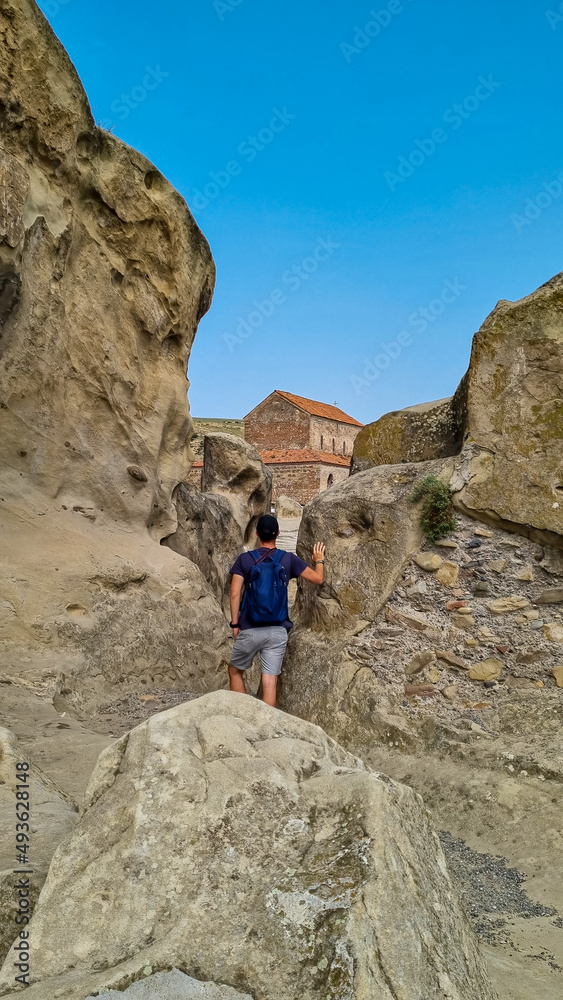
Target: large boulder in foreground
<point x="416" y="434"/>
<point x="173" y="985"/>
<point x="248" y="849"/>
<point x="51" y="816"/>
<point x="371" y="529"/>
<point x="512" y="473"/>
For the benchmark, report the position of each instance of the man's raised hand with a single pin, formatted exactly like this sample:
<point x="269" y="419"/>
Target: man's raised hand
<point x="318" y="552"/>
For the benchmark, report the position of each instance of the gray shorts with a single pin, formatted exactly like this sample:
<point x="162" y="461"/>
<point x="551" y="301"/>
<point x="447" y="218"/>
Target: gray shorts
<point x="270" y="642"/>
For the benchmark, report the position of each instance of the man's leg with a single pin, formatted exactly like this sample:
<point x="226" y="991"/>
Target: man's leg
<point x="272" y="654"/>
<point x="236" y="680"/>
<point x="269" y="689"/>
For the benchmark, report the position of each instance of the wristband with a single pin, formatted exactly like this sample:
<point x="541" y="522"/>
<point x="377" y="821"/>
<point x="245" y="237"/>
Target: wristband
<point x="234" y="625"/>
<point x="319" y="562"/>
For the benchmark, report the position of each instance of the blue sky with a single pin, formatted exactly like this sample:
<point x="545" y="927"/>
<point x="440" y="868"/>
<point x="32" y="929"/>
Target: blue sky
<point x="372" y="178"/>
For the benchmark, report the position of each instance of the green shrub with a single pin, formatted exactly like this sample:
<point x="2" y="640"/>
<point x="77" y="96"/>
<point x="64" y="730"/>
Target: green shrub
<point x="437" y="513"/>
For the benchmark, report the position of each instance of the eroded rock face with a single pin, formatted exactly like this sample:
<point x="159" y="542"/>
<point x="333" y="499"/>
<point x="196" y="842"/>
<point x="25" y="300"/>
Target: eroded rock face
<point x="52" y="816"/>
<point x="512" y="472"/>
<point x="415" y="434"/>
<point x="233" y="468"/>
<point x="209" y="535"/>
<point x="246" y="847"/>
<point x="370" y="529"/>
<point x="215" y="525"/>
<point x="103" y="278"/>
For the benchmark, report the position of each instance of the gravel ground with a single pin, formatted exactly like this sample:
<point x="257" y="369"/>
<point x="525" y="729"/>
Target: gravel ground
<point x="488" y="888"/>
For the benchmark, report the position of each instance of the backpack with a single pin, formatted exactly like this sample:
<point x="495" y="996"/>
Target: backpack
<point x="265" y="595"/>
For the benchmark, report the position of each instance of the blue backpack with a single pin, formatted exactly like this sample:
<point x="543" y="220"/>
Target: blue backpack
<point x="265" y="596"/>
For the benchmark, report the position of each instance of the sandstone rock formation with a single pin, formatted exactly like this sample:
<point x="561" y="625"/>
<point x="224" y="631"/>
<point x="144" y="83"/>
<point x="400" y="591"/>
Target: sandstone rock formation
<point x="51" y="817"/>
<point x="415" y="434"/>
<point x="233" y="468"/>
<point x="286" y="507"/>
<point x="247" y="848"/>
<point x="507" y="413"/>
<point x="370" y="528"/>
<point x="512" y="471"/>
<point x="104" y="276"/>
<point x="214" y="526"/>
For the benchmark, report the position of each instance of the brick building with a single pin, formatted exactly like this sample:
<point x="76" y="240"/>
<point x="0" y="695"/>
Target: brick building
<point x="307" y="445"/>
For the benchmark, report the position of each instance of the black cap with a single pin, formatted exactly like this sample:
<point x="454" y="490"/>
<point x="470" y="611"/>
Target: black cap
<point x="267" y="528"/>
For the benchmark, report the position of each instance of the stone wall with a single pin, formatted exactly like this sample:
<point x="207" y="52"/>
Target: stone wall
<point x="277" y="424"/>
<point x="303" y="481"/>
<point x="323" y="432"/>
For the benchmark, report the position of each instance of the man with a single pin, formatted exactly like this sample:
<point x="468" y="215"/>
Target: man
<point x="265" y="573"/>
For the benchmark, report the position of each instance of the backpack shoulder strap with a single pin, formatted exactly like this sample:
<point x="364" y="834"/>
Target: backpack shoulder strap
<point x="277" y="555"/>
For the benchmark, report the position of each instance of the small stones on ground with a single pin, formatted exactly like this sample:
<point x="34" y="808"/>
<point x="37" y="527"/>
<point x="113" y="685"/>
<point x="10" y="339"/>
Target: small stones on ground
<point x="448" y="574"/>
<point x="537" y="625"/>
<point x="498" y="565"/>
<point x="419" y="661"/>
<point x="455" y="605"/>
<point x="452" y="659"/>
<point x="447" y="544"/>
<point x="483" y="533"/>
<point x="475" y="543"/>
<point x="428" y="561"/>
<point x="502" y="649"/>
<point x="504" y="605"/>
<point x="421" y="587"/>
<point x="520" y="682"/>
<point x="463" y="621"/>
<point x="475" y="728"/>
<point x="531" y="616"/>
<point x="464" y="610"/>
<point x="526" y="574"/>
<point x="488" y="670"/>
<point x="482" y="588"/>
<point x="471" y="643"/>
<point x="550" y="597"/>
<point x="451" y="692"/>
<point x="420" y="690"/>
<point x="531" y="655"/>
<point x="433" y="675"/>
<point x="557" y="672"/>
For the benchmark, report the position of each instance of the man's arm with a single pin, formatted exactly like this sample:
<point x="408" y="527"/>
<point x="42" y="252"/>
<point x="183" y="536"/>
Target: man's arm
<point x="316" y="575"/>
<point x="237" y="584"/>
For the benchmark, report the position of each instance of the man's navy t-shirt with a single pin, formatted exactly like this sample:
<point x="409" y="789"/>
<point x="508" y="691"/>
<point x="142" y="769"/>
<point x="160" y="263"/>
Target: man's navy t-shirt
<point x="293" y="566"/>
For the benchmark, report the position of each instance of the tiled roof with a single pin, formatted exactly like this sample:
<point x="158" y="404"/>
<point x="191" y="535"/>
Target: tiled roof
<point x="319" y="409"/>
<point x="291" y="456"/>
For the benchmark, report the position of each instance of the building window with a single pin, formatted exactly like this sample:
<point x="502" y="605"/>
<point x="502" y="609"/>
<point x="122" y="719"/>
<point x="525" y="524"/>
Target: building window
<point x="330" y="481"/>
<point x="343" y="447"/>
<point x="333" y="445"/>
<point x="321" y="442"/>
